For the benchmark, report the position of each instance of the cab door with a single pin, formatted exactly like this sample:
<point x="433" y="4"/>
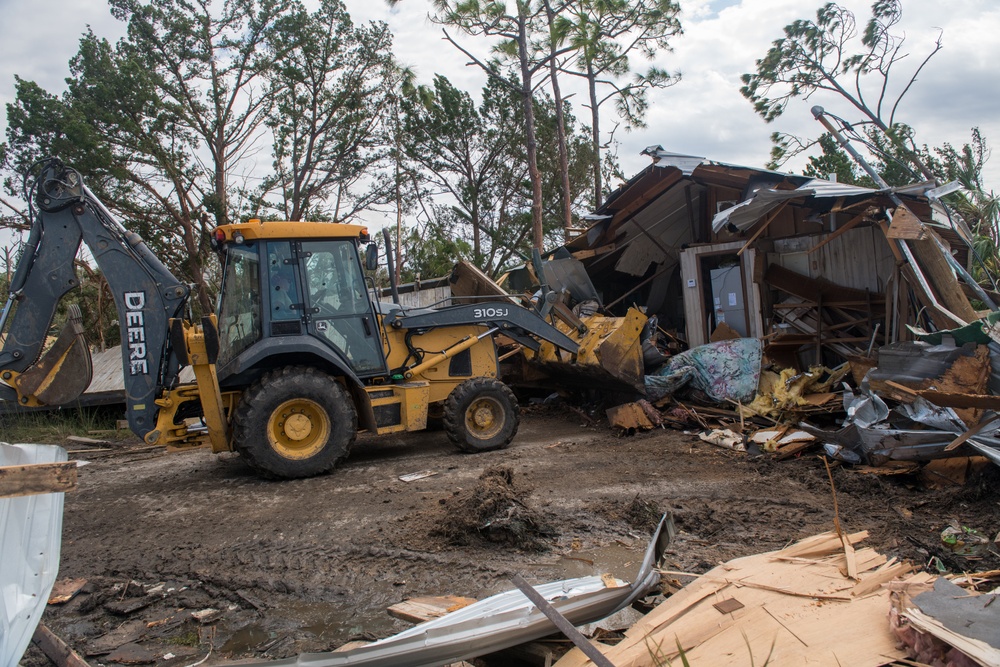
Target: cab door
<point x="340" y="312"/>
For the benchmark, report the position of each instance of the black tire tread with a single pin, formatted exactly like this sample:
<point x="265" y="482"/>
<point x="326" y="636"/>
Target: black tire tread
<point x="252" y="414"/>
<point x="454" y="413"/>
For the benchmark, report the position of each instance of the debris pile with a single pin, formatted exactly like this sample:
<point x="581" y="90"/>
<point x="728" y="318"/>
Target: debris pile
<point x="493" y="511"/>
<point x="819" y="601"/>
<point x="910" y="403"/>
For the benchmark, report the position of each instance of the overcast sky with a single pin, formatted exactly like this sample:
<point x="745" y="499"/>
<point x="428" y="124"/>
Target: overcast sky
<point x="703" y="115"/>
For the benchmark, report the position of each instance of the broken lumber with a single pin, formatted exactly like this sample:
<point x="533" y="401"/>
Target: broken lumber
<point x="780" y="622"/>
<point x="56" y="649"/>
<point x="35" y="478"/>
<point x="65" y="589"/>
<point x="629" y="416"/>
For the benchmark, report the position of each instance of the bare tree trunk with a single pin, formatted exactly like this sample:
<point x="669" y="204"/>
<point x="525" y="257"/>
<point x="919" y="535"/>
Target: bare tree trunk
<point x="560" y="126"/>
<point x="530" y="141"/>
<point x="595" y="134"/>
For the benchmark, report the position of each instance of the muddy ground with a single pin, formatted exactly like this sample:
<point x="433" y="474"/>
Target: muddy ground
<point x="278" y="568"/>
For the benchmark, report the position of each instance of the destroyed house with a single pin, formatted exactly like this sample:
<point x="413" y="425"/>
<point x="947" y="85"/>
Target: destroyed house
<point x="823" y="270"/>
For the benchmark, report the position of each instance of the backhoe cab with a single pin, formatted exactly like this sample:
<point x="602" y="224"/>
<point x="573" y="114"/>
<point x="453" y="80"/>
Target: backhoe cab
<point x="297" y="359"/>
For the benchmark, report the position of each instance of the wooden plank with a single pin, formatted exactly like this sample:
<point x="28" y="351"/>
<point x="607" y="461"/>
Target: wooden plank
<point x="64" y="590"/>
<point x="56" y="649"/>
<point x="37" y="478"/>
<point x="942" y="278"/>
<point x="906" y="226"/>
<point x="80" y="440"/>
<point x="948" y="399"/>
<point x="649" y="195"/>
<point x="420" y="609"/>
<point x="972" y="432"/>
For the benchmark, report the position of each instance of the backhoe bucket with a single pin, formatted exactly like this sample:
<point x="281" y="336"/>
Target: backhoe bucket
<point x="63" y="373"/>
<point x="609" y="358"/>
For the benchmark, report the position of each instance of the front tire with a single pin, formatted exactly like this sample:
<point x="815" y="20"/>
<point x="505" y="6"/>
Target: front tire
<point x="481" y="415"/>
<point x="294" y="422"/>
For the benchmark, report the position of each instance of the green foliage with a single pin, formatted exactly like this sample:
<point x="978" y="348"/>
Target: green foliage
<point x="53" y="426"/>
<point x="331" y="89"/>
<point x="431" y="251"/>
<point x="474" y="157"/>
<point x="835" y="160"/>
<point x="600" y="35"/>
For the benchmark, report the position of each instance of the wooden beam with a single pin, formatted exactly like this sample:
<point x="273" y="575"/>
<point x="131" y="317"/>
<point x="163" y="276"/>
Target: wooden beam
<point x="767" y="221"/>
<point x="843" y="229"/>
<point x="37" y="478"/>
<point x="56" y="649"/>
<point x="942" y="278"/>
<point x="975" y="430"/>
<point x="584" y="254"/>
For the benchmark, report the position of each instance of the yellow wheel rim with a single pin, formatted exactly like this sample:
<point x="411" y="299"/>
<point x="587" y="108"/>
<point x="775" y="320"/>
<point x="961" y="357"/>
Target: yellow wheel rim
<point x="298" y="429"/>
<point x="484" y="418"/>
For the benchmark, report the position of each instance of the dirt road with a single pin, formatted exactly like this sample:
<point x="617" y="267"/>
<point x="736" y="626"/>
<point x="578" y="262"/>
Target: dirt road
<point x="278" y="568"/>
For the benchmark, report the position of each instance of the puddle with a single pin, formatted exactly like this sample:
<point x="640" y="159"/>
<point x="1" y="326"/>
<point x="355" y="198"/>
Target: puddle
<point x="619" y="560"/>
<point x="335" y="622"/>
<point x="328" y="622"/>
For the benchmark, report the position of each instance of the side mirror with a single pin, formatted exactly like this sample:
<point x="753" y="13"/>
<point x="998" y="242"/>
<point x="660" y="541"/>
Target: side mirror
<point x="371" y="257"/>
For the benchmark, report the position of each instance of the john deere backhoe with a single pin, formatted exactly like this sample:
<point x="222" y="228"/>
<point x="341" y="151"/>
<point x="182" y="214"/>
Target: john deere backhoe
<point x="296" y="360"/>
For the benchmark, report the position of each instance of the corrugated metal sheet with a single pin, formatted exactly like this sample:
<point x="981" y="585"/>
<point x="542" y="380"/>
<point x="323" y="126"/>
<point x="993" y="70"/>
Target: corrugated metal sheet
<point x="440" y="296"/>
<point x="30" y="540"/>
<point x="860" y="258"/>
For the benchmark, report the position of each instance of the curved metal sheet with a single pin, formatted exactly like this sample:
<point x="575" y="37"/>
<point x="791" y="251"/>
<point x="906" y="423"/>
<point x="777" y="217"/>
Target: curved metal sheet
<point x="30" y="541"/>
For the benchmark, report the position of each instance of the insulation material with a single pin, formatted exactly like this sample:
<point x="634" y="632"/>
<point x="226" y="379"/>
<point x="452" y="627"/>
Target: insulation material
<point x="30" y="542"/>
<point x="791" y="390"/>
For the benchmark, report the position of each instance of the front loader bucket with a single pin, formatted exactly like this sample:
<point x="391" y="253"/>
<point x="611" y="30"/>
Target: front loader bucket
<point x="609" y="358"/>
<point x="63" y="373"/>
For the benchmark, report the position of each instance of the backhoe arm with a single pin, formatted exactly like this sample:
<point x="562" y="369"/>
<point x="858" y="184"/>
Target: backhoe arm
<point x="146" y="294"/>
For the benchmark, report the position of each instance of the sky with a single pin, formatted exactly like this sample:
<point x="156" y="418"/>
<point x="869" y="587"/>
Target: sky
<point x="703" y="115"/>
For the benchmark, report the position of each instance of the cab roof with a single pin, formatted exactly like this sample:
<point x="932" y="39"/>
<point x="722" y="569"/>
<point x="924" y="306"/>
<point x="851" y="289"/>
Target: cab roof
<point x="284" y="229"/>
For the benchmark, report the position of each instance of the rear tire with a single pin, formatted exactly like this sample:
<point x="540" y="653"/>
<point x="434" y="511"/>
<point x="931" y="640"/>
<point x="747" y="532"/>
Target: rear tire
<point x="481" y="415"/>
<point x="294" y="422"/>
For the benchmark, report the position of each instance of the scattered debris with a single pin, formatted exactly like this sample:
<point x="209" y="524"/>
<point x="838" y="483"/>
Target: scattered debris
<point x="964" y="541"/>
<point x="494" y="511"/>
<point x="941" y="623"/>
<point x="414" y="476"/>
<point x="64" y="590"/>
<point x="775" y="608"/>
<point x="501" y="621"/>
<point x="724" y="438"/>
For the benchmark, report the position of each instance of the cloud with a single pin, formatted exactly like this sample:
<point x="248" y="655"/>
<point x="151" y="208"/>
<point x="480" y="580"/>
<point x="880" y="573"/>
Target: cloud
<point x="704" y="114"/>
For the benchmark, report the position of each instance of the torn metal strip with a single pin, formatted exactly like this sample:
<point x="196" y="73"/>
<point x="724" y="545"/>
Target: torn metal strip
<point x="498" y="622"/>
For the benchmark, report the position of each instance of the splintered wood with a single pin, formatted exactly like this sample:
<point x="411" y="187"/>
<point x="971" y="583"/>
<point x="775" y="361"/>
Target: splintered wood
<point x="783" y="608"/>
